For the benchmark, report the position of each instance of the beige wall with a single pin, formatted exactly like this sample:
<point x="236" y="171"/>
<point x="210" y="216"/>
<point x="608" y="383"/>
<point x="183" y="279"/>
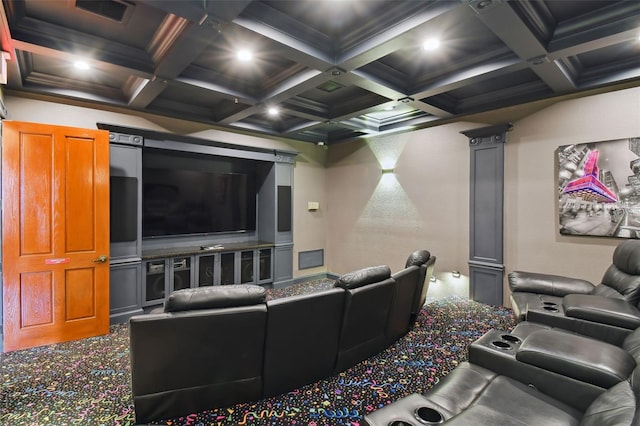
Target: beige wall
<point x="532" y="240"/>
<point x="380" y="219"/>
<point x="309" y="228"/>
<point x="426" y="205"/>
<point x="366" y="218"/>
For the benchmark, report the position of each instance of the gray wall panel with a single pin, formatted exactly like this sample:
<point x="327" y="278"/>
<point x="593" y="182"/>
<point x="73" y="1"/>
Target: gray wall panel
<point x="486" y="217"/>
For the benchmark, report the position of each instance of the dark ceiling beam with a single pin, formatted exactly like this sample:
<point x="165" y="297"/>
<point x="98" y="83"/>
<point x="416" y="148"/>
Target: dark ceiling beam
<point x="296" y="49"/>
<point x="396" y="37"/>
<point x="347" y="122"/>
<point x="610" y="78"/>
<point x="177" y="43"/>
<point x="292" y="87"/>
<point x="237" y="117"/>
<point x="501" y="18"/>
<point x="302" y="113"/>
<point x="501" y="57"/>
<point x="255" y="127"/>
<point x="427" y="107"/>
<point x="56" y="84"/>
<point x="192" y="10"/>
<point x="509" y="96"/>
<point x="198" y="11"/>
<point x="364" y="111"/>
<point x="408" y="124"/>
<point x="304" y="127"/>
<point x="379" y="46"/>
<point x="507" y="62"/>
<point x="371" y="84"/>
<point x="595" y="44"/>
<point x="360" y="125"/>
<point x="611" y="25"/>
<point x="44" y="38"/>
<point x="308" y="107"/>
<point x="142" y="91"/>
<point x="471" y="75"/>
<point x="384" y="43"/>
<point x="216" y="89"/>
<point x="297" y="84"/>
<point x="72" y="94"/>
<point x="319" y="64"/>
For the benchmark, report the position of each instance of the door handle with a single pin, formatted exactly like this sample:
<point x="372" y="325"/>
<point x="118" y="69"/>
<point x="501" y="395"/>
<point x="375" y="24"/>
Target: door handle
<point x="100" y="259"/>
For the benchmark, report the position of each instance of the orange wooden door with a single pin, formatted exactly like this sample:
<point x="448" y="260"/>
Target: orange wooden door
<point x="55" y="234"/>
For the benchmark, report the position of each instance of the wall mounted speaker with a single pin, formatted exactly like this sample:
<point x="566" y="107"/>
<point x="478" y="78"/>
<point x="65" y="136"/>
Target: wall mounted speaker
<point x="284" y="208"/>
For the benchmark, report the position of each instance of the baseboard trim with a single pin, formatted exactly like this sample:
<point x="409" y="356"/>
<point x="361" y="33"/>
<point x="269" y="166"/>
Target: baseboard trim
<point x="123" y="317"/>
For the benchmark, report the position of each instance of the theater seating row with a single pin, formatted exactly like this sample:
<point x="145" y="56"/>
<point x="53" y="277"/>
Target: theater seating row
<point x="217" y="346"/>
<point x="574" y="361"/>
<point x="608" y="311"/>
<point x="534" y="375"/>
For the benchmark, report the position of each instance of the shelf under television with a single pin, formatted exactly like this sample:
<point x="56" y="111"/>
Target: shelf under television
<point x="195" y="250"/>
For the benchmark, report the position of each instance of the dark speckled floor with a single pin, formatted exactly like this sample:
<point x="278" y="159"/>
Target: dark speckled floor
<point x="87" y="382"/>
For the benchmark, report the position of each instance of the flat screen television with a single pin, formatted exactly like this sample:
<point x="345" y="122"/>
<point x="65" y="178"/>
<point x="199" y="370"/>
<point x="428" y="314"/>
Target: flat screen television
<point x="186" y="201"/>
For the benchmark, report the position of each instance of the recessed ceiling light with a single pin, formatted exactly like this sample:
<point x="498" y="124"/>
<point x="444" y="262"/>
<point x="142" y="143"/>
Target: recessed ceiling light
<point x="389" y="108"/>
<point x="273" y="111"/>
<point x="81" y="64"/>
<point x="245" y="55"/>
<point x="431" y="44"/>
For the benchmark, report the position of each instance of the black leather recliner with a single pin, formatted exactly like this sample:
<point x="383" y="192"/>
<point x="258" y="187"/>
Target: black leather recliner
<point x="569" y="367"/>
<point x="369" y="298"/>
<point x="216" y="346"/>
<point x="400" y="315"/>
<point x="217" y="334"/>
<point x="608" y="311"/>
<point x="473" y="395"/>
<point x="549" y="377"/>
<point x="303" y="333"/>
<point x="426" y="262"/>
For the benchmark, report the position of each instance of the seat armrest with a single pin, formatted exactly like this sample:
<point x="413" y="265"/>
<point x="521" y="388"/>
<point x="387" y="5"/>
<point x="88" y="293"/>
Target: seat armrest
<point x="553" y="285"/>
<point x="581" y="358"/>
<point x="604" y="310"/>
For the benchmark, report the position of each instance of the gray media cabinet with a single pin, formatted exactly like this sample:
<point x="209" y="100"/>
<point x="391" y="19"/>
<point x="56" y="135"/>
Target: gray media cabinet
<point x="145" y="271"/>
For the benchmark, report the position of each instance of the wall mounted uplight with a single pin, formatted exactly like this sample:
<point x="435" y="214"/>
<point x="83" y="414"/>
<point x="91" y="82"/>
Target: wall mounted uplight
<point x="455" y="274"/>
<point x="387" y="170"/>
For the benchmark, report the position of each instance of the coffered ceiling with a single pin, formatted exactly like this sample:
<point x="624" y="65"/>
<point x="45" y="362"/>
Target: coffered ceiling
<point x="335" y="69"/>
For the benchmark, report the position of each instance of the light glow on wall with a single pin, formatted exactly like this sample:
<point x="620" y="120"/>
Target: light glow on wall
<point x="389" y="218"/>
<point x="386" y="152"/>
<point x="446" y="285"/>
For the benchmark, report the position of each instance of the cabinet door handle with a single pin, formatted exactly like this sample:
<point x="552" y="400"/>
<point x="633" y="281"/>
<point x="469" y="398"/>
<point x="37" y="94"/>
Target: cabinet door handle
<point x="100" y="259"/>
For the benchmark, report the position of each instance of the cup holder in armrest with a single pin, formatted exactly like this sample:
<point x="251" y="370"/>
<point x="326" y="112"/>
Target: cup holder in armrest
<point x="550" y="308"/>
<point x="550" y="303"/>
<point x="501" y="344"/>
<point x="428" y="416"/>
<point x="510" y="338"/>
<point x="399" y="423"/>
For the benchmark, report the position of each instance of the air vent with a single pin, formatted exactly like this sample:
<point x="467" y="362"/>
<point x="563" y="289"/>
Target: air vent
<point x="110" y="9"/>
<point x="330" y="86"/>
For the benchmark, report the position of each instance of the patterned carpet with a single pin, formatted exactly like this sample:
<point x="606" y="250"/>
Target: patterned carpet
<point x="87" y="382"/>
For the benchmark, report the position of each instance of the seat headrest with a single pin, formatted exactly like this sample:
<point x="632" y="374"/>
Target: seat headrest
<point x="626" y="257"/>
<point x="418" y="257"/>
<point x="362" y="277"/>
<point x="223" y="296"/>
